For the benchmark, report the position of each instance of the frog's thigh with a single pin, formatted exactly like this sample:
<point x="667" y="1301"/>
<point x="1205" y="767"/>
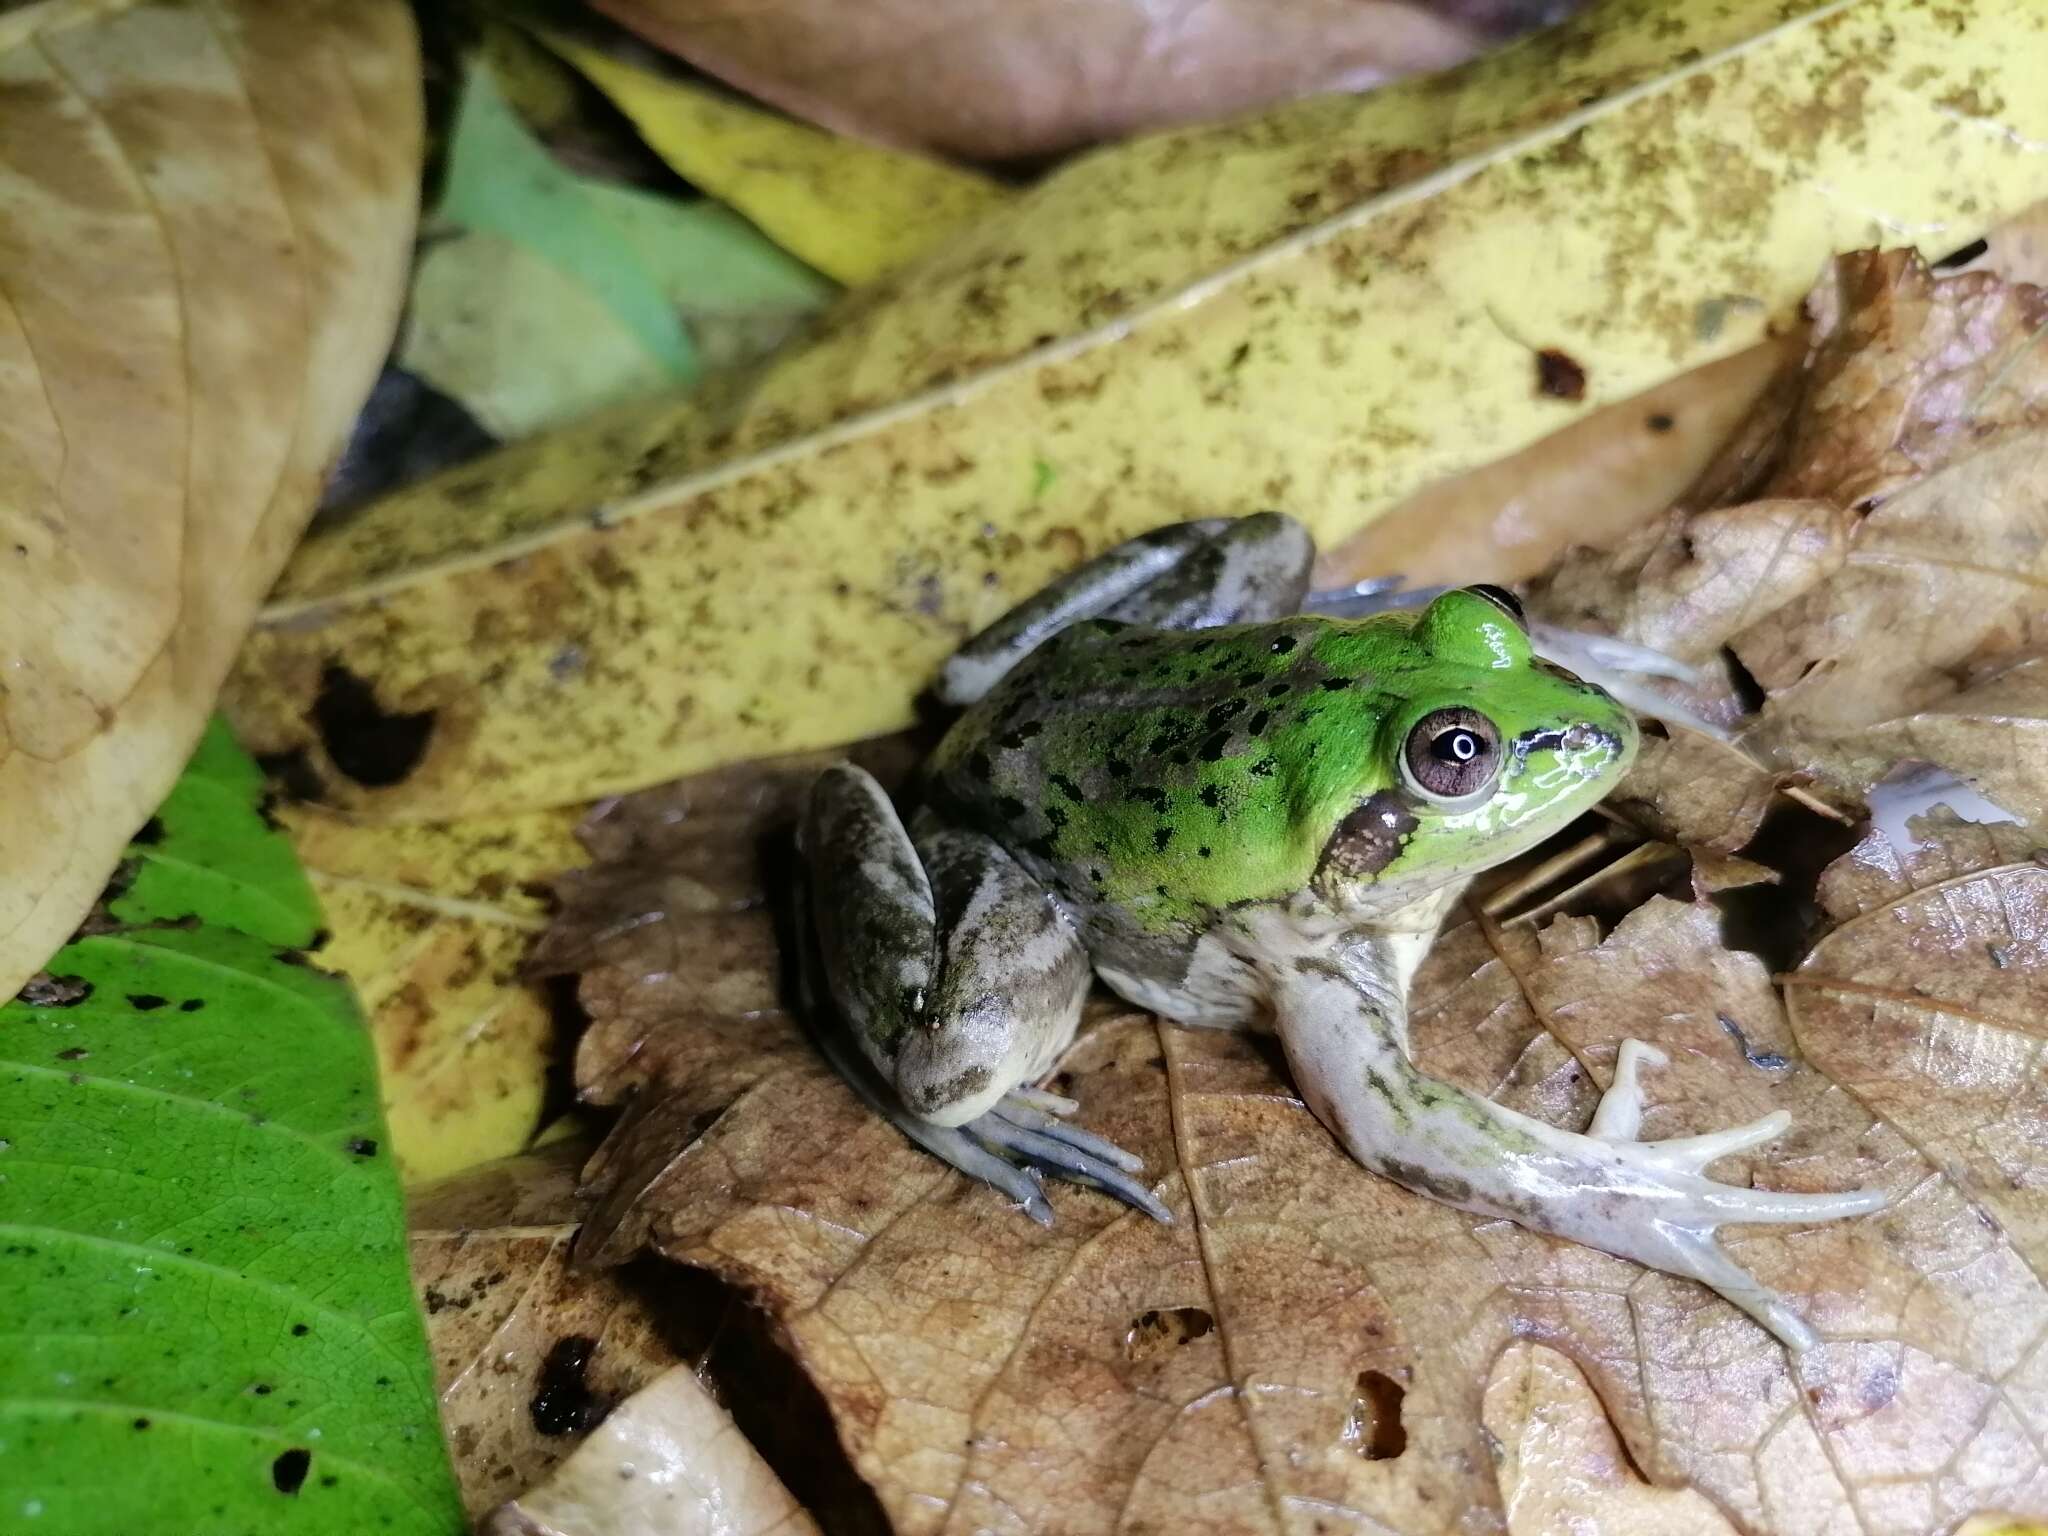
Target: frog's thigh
<point x="1184" y="576"/>
<point x="1012" y="979"/>
<point x="872" y="911"/>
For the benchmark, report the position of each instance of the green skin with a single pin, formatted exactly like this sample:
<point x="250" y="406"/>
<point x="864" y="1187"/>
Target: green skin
<point x="1168" y="777"/>
<point x="1223" y="821"/>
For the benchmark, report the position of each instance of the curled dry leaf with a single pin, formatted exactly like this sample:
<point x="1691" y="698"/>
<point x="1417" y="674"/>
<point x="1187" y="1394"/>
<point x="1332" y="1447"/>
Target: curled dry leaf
<point x="1893" y="557"/>
<point x="665" y="1462"/>
<point x="1307" y="310"/>
<point x="528" y="1354"/>
<point x="983" y="80"/>
<point x="1994" y="736"/>
<point x="208" y="214"/>
<point x="1306" y="1341"/>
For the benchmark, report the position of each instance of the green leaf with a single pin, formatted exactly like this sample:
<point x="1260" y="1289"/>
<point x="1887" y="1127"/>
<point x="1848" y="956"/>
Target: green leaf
<point x="500" y="181"/>
<point x="545" y="295"/>
<point x="209" y="1322"/>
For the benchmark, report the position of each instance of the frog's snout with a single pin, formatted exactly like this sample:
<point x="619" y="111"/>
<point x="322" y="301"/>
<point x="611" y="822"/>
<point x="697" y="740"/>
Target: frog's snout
<point x="1613" y="744"/>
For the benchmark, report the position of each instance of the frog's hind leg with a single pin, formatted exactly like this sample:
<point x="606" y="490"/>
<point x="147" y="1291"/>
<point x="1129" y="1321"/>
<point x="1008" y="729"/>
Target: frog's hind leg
<point x="1185" y="576"/>
<point x="956" y="982"/>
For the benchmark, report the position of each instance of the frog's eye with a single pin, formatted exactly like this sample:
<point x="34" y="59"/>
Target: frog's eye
<point x="1502" y="599"/>
<point x="1452" y="756"/>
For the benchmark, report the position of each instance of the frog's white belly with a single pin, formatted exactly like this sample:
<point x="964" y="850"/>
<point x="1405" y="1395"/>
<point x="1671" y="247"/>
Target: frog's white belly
<point x="1221" y="990"/>
<point x="1224" y="986"/>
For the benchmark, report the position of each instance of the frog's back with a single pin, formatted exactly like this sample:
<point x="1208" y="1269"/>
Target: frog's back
<point x="1160" y="776"/>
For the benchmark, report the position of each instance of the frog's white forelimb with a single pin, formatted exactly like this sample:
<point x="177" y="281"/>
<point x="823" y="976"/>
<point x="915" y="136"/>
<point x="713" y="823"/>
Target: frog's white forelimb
<point x="1646" y="1201"/>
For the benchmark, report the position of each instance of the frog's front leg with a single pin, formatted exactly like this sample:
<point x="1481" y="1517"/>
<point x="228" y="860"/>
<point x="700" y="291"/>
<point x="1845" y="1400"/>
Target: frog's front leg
<point x="959" y="983"/>
<point x="1344" y="1031"/>
<point x="1184" y="576"/>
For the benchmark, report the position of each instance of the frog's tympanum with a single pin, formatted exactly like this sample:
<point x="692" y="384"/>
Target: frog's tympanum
<point x="1240" y="815"/>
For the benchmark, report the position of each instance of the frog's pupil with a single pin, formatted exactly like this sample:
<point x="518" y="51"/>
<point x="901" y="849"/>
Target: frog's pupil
<point x="1457" y="746"/>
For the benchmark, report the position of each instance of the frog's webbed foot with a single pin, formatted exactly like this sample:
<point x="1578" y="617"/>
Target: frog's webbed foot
<point x="1681" y="1241"/>
<point x="1021" y="1128"/>
<point x="1013" y="1146"/>
<point x="1649" y="1201"/>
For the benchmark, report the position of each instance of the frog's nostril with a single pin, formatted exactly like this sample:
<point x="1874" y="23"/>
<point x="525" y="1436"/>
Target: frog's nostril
<point x="1582" y="737"/>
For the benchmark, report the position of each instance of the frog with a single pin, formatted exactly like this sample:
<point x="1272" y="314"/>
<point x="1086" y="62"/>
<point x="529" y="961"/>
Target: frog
<point x="1169" y="773"/>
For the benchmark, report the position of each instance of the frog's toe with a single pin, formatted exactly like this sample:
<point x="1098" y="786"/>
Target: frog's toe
<point x="1033" y="1111"/>
<point x="959" y="1147"/>
<point x="1016" y="1129"/>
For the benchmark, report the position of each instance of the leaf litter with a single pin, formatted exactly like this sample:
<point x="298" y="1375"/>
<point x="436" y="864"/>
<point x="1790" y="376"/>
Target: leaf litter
<point x="1308" y="1348"/>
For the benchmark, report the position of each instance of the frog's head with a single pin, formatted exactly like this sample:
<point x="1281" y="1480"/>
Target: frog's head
<point x="1483" y="750"/>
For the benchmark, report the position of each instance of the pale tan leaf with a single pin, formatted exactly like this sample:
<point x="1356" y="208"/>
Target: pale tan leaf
<point x="1561" y="1466"/>
<point x="665" y="1462"/>
<point x="1592" y="483"/>
<point x="208" y="211"/>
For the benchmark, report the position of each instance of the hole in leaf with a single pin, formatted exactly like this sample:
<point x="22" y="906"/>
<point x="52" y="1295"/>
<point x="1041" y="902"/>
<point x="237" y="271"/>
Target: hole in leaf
<point x="288" y="1472"/>
<point x="1374" y="1429"/>
<point x="1162" y="1329"/>
<point x="364" y="741"/>
<point x="1748" y="691"/>
<point x="564" y="1403"/>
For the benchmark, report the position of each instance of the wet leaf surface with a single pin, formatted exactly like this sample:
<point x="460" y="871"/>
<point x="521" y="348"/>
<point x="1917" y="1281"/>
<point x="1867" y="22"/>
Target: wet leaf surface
<point x="666" y="1462"/>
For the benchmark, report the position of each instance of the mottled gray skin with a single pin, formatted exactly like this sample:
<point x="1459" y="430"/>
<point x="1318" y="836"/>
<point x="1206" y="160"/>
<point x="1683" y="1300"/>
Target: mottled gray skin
<point x="1239" y="815"/>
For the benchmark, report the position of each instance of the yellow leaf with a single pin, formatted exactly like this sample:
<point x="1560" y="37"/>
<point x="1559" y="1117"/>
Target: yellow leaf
<point x="852" y="211"/>
<point x="206" y="215"/>
<point x="1324" y="310"/>
<point x="431" y="923"/>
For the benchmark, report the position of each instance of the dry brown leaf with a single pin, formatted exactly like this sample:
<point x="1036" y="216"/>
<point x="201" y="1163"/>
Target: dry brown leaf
<point x="208" y="218"/>
<point x="1928" y="1002"/>
<point x="984" y="80"/>
<point x="527" y="1353"/>
<point x="1695" y="791"/>
<point x="1307" y="1342"/>
<point x="1925" y="414"/>
<point x="668" y="1461"/>
<point x="1993" y="735"/>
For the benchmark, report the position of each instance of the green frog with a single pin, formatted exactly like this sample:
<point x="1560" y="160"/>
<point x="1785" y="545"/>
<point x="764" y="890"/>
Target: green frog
<point x="1239" y="814"/>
